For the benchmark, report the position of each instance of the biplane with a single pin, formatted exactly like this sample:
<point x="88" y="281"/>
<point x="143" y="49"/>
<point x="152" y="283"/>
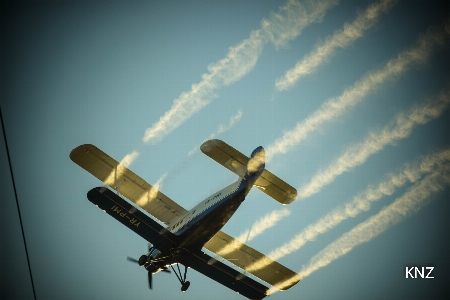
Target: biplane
<point x="180" y="235"/>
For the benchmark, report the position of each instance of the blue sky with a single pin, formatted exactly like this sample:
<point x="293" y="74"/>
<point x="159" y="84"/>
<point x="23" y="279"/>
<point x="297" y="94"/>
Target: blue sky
<point x="367" y="121"/>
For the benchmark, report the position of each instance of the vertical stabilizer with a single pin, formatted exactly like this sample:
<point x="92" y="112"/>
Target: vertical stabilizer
<point x="257" y="163"/>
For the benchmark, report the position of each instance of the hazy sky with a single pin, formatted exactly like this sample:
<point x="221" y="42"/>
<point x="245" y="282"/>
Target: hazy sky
<point x="349" y="98"/>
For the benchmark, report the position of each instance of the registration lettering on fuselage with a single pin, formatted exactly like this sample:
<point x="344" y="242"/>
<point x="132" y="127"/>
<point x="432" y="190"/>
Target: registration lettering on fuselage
<point x="124" y="214"/>
<point x="212" y="198"/>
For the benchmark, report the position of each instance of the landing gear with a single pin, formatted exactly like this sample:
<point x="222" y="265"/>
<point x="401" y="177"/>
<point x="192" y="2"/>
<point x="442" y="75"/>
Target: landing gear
<point x="184" y="284"/>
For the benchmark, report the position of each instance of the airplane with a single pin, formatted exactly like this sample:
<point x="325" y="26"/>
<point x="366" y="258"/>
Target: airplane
<point x="177" y="236"/>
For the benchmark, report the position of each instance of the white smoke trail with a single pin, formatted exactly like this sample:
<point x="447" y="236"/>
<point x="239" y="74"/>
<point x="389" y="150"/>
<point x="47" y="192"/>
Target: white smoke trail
<point x="221" y="129"/>
<point x="167" y="177"/>
<point x="292" y="18"/>
<point x="239" y="61"/>
<point x="356" y="155"/>
<point x="406" y="205"/>
<point x="279" y="28"/>
<point x="340" y="39"/>
<point x="335" y="107"/>
<point x="266" y="222"/>
<point x="152" y="193"/>
<point x="362" y="202"/>
<point x="124" y="163"/>
<point x="129" y="158"/>
<point x="233" y="120"/>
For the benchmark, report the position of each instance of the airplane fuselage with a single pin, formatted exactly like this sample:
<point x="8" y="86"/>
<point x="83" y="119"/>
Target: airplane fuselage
<point x="197" y="226"/>
<point x="210" y="218"/>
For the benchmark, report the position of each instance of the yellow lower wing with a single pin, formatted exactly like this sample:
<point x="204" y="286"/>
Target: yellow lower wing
<point x="252" y="261"/>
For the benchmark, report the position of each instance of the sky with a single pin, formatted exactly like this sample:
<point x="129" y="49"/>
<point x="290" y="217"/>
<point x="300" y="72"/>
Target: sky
<point x="350" y="99"/>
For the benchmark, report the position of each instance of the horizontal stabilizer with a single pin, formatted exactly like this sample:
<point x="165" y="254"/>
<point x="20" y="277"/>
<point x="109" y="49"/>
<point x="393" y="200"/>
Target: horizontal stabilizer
<point x="236" y="162"/>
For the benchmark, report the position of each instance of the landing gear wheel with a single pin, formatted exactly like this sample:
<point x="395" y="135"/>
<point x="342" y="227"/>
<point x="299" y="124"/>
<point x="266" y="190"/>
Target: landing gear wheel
<point x="142" y="260"/>
<point x="185" y="286"/>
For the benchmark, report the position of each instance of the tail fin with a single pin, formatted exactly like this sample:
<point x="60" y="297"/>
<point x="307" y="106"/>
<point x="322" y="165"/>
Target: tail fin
<point x="240" y="164"/>
<point x="256" y="163"/>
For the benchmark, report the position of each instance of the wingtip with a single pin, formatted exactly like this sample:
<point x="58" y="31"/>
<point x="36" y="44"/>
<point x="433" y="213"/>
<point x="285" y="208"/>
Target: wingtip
<point x="207" y="145"/>
<point x="84" y="147"/>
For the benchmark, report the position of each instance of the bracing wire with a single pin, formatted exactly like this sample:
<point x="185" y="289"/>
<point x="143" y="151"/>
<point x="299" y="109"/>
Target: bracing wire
<point x="17" y="201"/>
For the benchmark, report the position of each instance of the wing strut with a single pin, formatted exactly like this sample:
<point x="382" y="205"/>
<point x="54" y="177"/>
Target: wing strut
<point x="184" y="284"/>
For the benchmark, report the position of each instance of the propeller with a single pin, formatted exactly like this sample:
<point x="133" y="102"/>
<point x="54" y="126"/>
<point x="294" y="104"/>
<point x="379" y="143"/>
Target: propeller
<point x="150" y="280"/>
<point x="143" y="258"/>
<point x="150" y="274"/>
<point x="132" y="259"/>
